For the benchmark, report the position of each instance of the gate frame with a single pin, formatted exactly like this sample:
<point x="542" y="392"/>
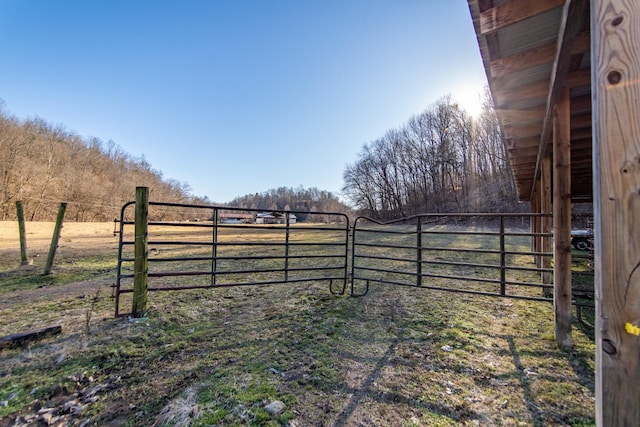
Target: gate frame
<point x="141" y="251"/>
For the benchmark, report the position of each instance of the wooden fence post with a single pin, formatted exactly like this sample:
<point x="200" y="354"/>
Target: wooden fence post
<point x="562" y="294"/>
<point x="141" y="253"/>
<point x="24" y="258"/>
<point x="547" y="241"/>
<point x="615" y="58"/>
<point x="55" y="238"/>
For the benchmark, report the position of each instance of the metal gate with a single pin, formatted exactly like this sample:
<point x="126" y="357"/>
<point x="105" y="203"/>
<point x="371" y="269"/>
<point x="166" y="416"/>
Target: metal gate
<point x="481" y="254"/>
<point x="484" y="254"/>
<point x="199" y="247"/>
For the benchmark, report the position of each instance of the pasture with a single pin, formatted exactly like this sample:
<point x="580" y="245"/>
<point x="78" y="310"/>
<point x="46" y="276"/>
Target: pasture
<point x="286" y="354"/>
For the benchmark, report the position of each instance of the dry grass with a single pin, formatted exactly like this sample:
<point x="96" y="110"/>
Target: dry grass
<point x="398" y="356"/>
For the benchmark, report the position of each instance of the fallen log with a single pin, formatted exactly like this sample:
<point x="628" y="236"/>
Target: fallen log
<point x="21" y="338"/>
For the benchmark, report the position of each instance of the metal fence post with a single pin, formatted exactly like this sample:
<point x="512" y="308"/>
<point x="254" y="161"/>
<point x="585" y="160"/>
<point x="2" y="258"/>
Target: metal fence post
<point x="214" y="247"/>
<point x="141" y="252"/>
<point x="286" y="248"/>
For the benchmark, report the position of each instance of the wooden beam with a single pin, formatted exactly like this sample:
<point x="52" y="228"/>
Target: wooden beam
<point x="536" y="224"/>
<point x="581" y="103"/>
<point x="570" y="26"/>
<point x="506" y="96"/>
<point x="536" y="56"/>
<point x="616" y="157"/>
<point x="523" y="131"/>
<point x="510" y="117"/>
<point x="562" y="220"/>
<point x="583" y="133"/>
<point x="580" y="121"/>
<point x="578" y="78"/>
<point x="545" y="179"/>
<point x="491" y="20"/>
<point x="522" y="159"/>
<point x="518" y="143"/>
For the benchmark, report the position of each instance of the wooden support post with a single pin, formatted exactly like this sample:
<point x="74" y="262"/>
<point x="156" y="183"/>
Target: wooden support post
<point x="535" y="223"/>
<point x="55" y="238"/>
<point x="141" y="253"/>
<point x="615" y="38"/>
<point x="562" y="220"/>
<point x="545" y="199"/>
<point x="24" y="257"/>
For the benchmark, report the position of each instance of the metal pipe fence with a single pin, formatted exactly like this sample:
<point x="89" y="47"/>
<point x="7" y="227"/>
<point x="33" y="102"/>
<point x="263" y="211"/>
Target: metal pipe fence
<point x="480" y="254"/>
<point x="229" y="247"/>
<point x="483" y="254"/>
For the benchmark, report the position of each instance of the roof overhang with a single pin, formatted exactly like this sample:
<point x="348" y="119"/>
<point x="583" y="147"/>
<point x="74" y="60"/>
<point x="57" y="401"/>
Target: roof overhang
<point x="531" y="50"/>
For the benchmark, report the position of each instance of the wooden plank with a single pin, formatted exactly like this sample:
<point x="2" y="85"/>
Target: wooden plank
<point x="580" y="121"/>
<point x="523" y="130"/>
<point x="491" y="20"/>
<point x="536" y="56"/>
<point x="23" y="338"/>
<point x="581" y="103"/>
<point x="584" y="133"/>
<point x="523" y="143"/>
<point x="578" y="78"/>
<point x="510" y="117"/>
<point x="506" y="96"/>
<point x="616" y="125"/>
<point x="562" y="221"/>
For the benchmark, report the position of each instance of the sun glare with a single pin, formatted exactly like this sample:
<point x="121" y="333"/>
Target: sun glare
<point x="469" y="100"/>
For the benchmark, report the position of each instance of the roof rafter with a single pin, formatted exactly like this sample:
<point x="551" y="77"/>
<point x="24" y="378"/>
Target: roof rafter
<point x="491" y="20"/>
<point x="536" y="56"/>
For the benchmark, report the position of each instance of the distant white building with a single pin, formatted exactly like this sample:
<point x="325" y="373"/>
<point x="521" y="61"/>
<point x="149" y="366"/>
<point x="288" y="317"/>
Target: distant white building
<point x="235" y="218"/>
<point x="275" y="218"/>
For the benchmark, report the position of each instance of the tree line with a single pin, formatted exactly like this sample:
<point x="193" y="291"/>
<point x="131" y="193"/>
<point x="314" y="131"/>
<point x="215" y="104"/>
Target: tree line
<point x="442" y="160"/>
<point x="305" y="200"/>
<point x="42" y="165"/>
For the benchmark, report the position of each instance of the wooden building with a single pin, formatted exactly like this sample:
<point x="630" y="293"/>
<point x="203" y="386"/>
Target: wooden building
<point x="565" y="79"/>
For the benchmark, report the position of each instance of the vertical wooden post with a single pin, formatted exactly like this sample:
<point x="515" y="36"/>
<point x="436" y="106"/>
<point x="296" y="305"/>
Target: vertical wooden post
<point x="562" y="220"/>
<point x="503" y="259"/>
<point x="24" y="257"/>
<point x="419" y="252"/>
<point x="141" y="253"/>
<point x="615" y="39"/>
<point x="55" y="238"/>
<point x="535" y="223"/>
<point x="545" y="199"/>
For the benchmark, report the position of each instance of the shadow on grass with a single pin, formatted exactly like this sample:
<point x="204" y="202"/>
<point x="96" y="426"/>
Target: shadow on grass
<point x="535" y="412"/>
<point x="357" y="397"/>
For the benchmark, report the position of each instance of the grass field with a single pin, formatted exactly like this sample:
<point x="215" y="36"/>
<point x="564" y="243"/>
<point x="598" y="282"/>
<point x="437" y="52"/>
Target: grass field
<point x="398" y="356"/>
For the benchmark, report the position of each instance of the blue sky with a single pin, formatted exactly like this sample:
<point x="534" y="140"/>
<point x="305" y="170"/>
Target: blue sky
<point x="236" y="96"/>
